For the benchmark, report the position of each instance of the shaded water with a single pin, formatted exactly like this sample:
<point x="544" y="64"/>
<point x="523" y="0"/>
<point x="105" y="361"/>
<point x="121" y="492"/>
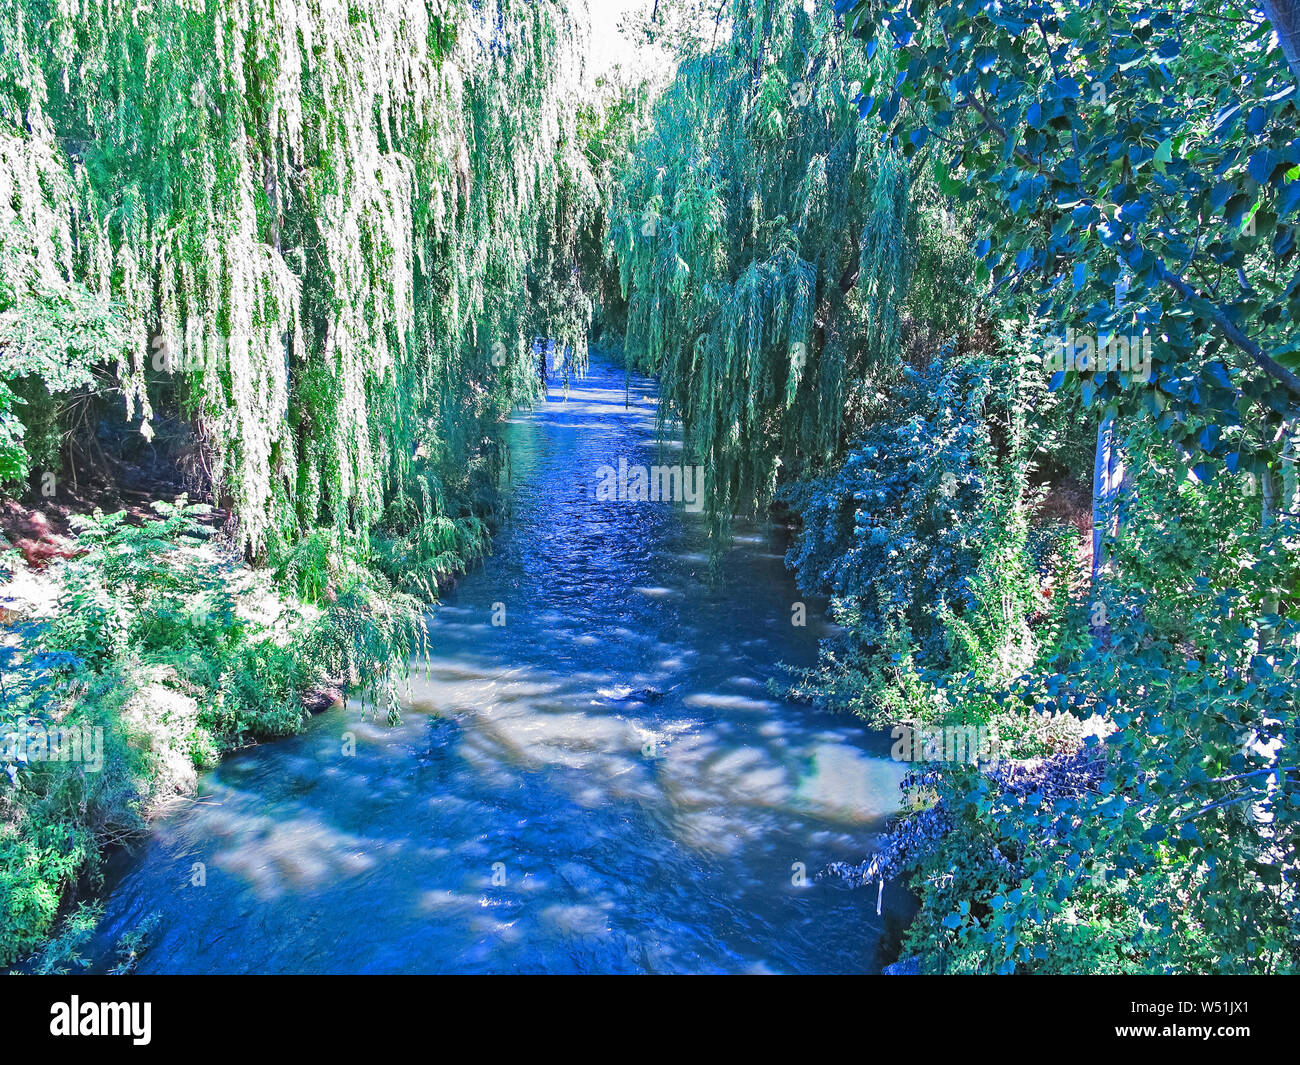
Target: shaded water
<point x="536" y="811"/>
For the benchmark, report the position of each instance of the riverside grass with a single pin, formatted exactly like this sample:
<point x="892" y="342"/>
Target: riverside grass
<point x="159" y="643"/>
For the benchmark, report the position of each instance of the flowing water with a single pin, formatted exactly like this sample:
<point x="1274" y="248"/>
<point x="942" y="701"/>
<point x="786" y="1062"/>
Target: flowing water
<point x="602" y="783"/>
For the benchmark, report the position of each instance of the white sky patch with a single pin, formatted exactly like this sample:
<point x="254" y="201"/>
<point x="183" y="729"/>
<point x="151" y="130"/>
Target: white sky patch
<point x="609" y="47"/>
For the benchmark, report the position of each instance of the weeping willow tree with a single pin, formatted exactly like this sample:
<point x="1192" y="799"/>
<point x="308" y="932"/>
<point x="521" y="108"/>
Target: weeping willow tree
<point x="767" y="238"/>
<point x="332" y="229"/>
<point x="54" y="332"/>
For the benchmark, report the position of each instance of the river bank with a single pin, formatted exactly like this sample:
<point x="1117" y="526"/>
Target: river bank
<point x="138" y="651"/>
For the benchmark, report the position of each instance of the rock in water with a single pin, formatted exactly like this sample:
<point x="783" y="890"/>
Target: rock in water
<point x="623" y="693"/>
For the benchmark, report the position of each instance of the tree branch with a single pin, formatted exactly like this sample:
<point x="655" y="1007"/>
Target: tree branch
<point x="1232" y="333"/>
<point x="1230" y="330"/>
<point x="1285" y="17"/>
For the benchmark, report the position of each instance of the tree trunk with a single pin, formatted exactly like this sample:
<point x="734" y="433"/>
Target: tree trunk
<point x="1285" y="17"/>
<point x="1267" y="518"/>
<point x="1107" y="477"/>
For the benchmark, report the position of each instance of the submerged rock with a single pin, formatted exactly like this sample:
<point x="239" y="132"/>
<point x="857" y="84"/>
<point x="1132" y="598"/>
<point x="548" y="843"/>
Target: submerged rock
<point x="623" y="693"/>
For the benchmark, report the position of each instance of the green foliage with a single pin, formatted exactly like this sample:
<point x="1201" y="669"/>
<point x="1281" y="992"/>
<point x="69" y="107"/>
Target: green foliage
<point x="1125" y="173"/>
<point x="1128" y="177"/>
<point x="415" y="546"/>
<point x="336" y="241"/>
<point x="306" y="223"/>
<point x="1141" y="813"/>
<point x="59" y="337"/>
<point x="841" y="253"/>
<point x="610" y="119"/>
<point x="130" y="945"/>
<point x="61" y="954"/>
<point x="132" y="588"/>
<point x="921" y="539"/>
<point x="55" y="815"/>
<point x="154" y="594"/>
<point x="165" y="642"/>
<point x="368" y="637"/>
<point x="766" y="240"/>
<point x="54" y="332"/>
<point x="14" y="462"/>
<point x="1179" y="855"/>
<point x="1171" y="516"/>
<point x="1142" y="816"/>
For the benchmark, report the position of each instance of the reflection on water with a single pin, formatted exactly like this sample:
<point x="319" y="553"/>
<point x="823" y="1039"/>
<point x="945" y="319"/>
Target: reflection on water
<point x="603" y="783"/>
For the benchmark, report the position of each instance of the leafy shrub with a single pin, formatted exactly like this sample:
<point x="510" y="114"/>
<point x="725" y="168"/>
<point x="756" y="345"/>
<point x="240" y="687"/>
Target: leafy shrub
<point x="159" y="603"/>
<point x="54" y="336"/>
<point x="1178" y="856"/>
<point x="920" y="536"/>
<point x="417" y="545"/>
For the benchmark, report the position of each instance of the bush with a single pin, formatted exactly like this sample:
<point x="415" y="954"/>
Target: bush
<point x="920" y="537"/>
<point x="178" y="653"/>
<point x="1165" y="845"/>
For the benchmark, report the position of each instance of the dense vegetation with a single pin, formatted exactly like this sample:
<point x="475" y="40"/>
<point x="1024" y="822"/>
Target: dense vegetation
<point x="298" y="255"/>
<point x="865" y="225"/>
<point x="279" y="220"/>
<point x="306" y="252"/>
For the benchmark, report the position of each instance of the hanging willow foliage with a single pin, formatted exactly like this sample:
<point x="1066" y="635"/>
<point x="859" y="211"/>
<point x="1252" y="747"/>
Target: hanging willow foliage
<point x="765" y="240"/>
<point x="327" y="217"/>
<point x="35" y="192"/>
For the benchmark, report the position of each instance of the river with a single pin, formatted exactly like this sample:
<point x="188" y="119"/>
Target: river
<point x="542" y="808"/>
